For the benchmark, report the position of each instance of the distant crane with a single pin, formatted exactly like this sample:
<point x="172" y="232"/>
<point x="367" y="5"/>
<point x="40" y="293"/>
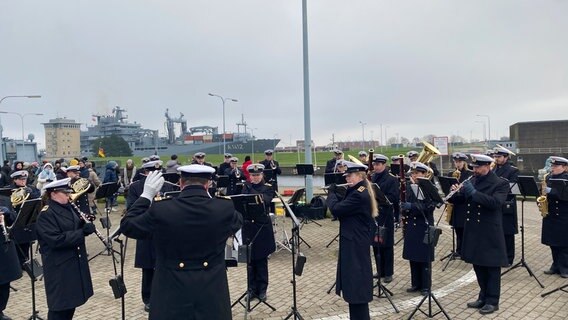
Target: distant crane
<point x="170" y="127"/>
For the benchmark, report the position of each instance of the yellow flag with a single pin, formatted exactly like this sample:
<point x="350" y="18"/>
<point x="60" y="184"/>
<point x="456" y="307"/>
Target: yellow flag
<point x="101" y="152"/>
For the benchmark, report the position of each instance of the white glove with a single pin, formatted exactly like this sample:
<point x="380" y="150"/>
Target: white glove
<point x="152" y="185"/>
<point x="547" y="190"/>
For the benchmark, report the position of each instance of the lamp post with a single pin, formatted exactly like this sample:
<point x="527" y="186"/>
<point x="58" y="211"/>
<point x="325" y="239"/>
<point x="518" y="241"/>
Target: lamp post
<point x="223" y="100"/>
<point x="28" y="96"/>
<point x="488" y="127"/>
<point x="363" y="132"/>
<point x="252" y="141"/>
<point x="22" y="119"/>
<point x="484" y="131"/>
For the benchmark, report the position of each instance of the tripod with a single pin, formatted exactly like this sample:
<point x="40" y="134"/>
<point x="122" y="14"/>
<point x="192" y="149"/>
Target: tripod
<point x="527" y="189"/>
<point x="382" y="291"/>
<point x="107" y="190"/>
<point x="453" y="255"/>
<point x="33" y="278"/>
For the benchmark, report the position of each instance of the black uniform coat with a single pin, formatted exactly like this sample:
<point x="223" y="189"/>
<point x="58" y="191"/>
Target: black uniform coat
<point x="483" y="238"/>
<point x="275" y="172"/>
<point x="420" y="216"/>
<point x="555" y="225"/>
<point x="190" y="232"/>
<point x="264" y="244"/>
<point x="24" y="235"/>
<point x="236" y="178"/>
<point x="510" y="221"/>
<point x="10" y="268"/>
<point x="390" y="187"/>
<point x="65" y="267"/>
<point x="354" y="278"/>
<point x="460" y="205"/>
<point x="330" y="166"/>
<point x="145" y="257"/>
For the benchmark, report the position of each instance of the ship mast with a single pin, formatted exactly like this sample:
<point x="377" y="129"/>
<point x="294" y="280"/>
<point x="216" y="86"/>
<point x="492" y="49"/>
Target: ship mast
<point x="242" y="123"/>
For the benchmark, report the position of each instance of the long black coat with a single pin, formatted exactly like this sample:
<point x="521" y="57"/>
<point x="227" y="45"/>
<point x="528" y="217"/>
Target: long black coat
<point x="510" y="221"/>
<point x="275" y="172"/>
<point x="390" y="187"/>
<point x="354" y="278"/>
<point x="460" y="206"/>
<point x="65" y="267"/>
<point x="264" y="244"/>
<point x="236" y="178"/>
<point x="420" y="216"/>
<point x="189" y="232"/>
<point x="555" y="225"/>
<point x="10" y="268"/>
<point x="145" y="257"/>
<point x="483" y="238"/>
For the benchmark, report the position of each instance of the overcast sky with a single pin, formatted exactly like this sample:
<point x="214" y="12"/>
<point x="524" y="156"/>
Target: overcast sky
<point x="418" y="67"/>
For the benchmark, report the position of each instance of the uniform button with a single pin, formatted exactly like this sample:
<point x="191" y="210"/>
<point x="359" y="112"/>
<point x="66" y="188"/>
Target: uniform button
<point x="415" y="224"/>
<point x="478" y="214"/>
<point x="181" y="265"/>
<point x="468" y="204"/>
<point x="467" y="219"/>
<point x="478" y="220"/>
<point x="467" y="211"/>
<point x="205" y="264"/>
<point x="478" y="206"/>
<point x="79" y="256"/>
<point x="78" y="248"/>
<point x="414" y="218"/>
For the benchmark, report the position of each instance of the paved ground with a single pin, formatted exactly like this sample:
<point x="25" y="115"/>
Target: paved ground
<point x="454" y="287"/>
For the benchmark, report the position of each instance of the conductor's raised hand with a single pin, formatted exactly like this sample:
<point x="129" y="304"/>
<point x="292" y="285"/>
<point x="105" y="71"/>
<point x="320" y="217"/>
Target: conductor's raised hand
<point x="152" y="185"/>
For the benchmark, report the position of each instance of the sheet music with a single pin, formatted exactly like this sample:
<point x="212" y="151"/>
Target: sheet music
<point x="514" y="188"/>
<point x="417" y="192"/>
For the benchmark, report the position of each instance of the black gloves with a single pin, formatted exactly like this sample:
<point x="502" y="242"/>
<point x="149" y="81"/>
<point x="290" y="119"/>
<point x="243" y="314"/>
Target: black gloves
<point x="88" y="228"/>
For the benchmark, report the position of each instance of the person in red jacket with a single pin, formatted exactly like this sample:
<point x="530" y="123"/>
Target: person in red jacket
<point x="244" y="167"/>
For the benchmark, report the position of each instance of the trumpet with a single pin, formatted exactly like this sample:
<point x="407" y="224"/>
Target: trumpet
<point x="89" y="219"/>
<point x="272" y="165"/>
<point x="4" y="229"/>
<point x="451" y="194"/>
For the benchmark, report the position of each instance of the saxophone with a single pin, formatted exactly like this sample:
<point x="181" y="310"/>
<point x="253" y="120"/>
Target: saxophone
<point x="542" y="201"/>
<point x="450" y="207"/>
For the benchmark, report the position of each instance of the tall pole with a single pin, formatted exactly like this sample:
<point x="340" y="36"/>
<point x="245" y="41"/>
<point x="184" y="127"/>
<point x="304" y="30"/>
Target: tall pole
<point x="307" y="121"/>
<point x="22" y="122"/>
<point x="363" y="132"/>
<point x="35" y="96"/>
<point x="223" y="100"/>
<point x="488" y="126"/>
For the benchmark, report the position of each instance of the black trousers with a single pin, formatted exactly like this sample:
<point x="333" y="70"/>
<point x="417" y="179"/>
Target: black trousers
<point x="419" y="275"/>
<point x="459" y="239"/>
<point x="489" y="280"/>
<point x="559" y="260"/>
<point x="258" y="276"/>
<point x="510" y="244"/>
<point x="359" y="311"/>
<point x="61" y="314"/>
<point x="4" y="295"/>
<point x="147" y="276"/>
<point x="384" y="260"/>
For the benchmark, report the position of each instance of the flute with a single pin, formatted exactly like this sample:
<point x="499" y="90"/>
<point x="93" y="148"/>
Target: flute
<point x="446" y="198"/>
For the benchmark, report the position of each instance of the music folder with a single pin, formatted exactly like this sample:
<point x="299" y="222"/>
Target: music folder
<point x="172" y="177"/>
<point x="429" y="191"/>
<point x="527" y="186"/>
<point x="304" y="169"/>
<point x="446" y="183"/>
<point x="337" y="178"/>
<point x="250" y="206"/>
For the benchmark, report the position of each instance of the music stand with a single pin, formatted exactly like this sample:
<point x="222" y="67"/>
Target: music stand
<point x="27" y="217"/>
<point x="337" y="178"/>
<point x="172" y="177"/>
<point x="251" y="207"/>
<point x="305" y="169"/>
<point x="223" y="181"/>
<point x="527" y="187"/>
<point x="105" y="191"/>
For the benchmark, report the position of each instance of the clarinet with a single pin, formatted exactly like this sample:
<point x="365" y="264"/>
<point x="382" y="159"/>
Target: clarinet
<point x="4" y="229"/>
<point x="89" y="219"/>
<point x="402" y="181"/>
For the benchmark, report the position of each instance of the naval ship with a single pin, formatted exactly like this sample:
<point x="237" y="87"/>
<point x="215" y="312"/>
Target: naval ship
<point x="144" y="142"/>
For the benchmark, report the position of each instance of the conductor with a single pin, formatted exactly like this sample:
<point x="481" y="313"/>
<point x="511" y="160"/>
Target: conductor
<point x="189" y="233"/>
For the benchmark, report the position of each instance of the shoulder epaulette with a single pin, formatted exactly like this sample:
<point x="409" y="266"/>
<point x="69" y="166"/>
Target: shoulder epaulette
<point x="223" y="197"/>
<point x="361" y="188"/>
<point x="44" y="208"/>
<point x="392" y="175"/>
<point x="268" y="184"/>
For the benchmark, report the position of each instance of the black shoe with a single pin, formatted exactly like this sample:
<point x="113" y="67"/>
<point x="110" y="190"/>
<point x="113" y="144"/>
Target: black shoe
<point x="488" y="308"/>
<point x="388" y="279"/>
<point x="147" y="307"/>
<point x="476" y="304"/>
<point x="4" y="317"/>
<point x="550" y="271"/>
<point x="376" y="275"/>
<point x="413" y="289"/>
<point x="262" y="296"/>
<point x="333" y="219"/>
<point x="564" y="275"/>
<point x="424" y="292"/>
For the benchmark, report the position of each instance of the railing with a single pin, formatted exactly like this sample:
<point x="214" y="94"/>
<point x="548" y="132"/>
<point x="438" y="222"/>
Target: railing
<point x="551" y="151"/>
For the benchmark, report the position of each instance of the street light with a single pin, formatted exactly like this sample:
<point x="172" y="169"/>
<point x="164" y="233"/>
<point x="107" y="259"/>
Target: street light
<point x="363" y="132"/>
<point x="488" y="126"/>
<point x="30" y="96"/>
<point x="223" y="99"/>
<point x="484" y="130"/>
<point x="22" y="118"/>
<point x="252" y="141"/>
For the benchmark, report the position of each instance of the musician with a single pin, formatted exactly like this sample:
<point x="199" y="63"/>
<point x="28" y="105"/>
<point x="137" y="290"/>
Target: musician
<point x="457" y="220"/>
<point x="10" y="269"/>
<point x="264" y="243"/>
<point x="82" y="201"/>
<point x="226" y="164"/>
<point x="61" y="234"/>
<point x="394" y="169"/>
<point x="363" y="157"/>
<point x="190" y="233"/>
<point x="331" y="165"/>
<point x="145" y="257"/>
<point x="504" y="169"/>
<point x="420" y="214"/>
<point x="413" y="156"/>
<point x="199" y="158"/>
<point x="236" y="177"/>
<point x="140" y="172"/>
<point x="355" y="212"/>
<point x="555" y="224"/>
<point x="270" y="163"/>
<point x="483" y="239"/>
<point x="384" y="251"/>
<point x="23" y="236"/>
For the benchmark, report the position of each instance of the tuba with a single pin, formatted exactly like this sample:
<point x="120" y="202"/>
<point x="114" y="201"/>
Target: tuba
<point x="80" y="186"/>
<point x="428" y="153"/>
<point x="542" y="201"/>
<point x="19" y="195"/>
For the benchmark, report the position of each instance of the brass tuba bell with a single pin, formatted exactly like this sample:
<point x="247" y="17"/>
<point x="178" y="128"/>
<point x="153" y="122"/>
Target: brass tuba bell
<point x="428" y="153"/>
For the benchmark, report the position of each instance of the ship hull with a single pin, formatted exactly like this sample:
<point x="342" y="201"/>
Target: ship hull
<point x="241" y="147"/>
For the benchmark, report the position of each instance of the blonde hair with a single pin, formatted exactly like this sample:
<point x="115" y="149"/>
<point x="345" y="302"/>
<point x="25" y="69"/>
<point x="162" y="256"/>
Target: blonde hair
<point x="374" y="207"/>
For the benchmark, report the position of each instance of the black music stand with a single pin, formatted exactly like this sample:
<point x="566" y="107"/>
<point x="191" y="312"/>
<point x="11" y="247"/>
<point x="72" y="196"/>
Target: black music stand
<point x="429" y="191"/>
<point x="105" y="191"/>
<point x="446" y="183"/>
<point x="171" y="177"/>
<point x="27" y="217"/>
<point x="334" y="238"/>
<point x="527" y="187"/>
<point x="223" y="181"/>
<point x="298" y="259"/>
<point x="337" y="178"/>
<point x="305" y="169"/>
<point x="252" y="208"/>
